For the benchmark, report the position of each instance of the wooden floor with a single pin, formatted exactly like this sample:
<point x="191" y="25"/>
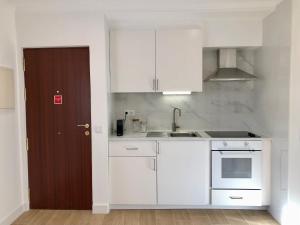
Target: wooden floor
<point x="147" y="217"/>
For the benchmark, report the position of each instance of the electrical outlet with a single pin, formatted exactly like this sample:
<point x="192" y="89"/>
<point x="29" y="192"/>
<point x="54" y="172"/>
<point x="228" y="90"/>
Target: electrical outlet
<point x="130" y="112"/>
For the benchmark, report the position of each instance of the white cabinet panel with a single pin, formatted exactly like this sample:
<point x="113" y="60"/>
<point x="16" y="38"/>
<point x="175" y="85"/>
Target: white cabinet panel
<point x="183" y="173"/>
<point x="266" y="173"/>
<point x="133" y="180"/>
<point x="132" y="60"/>
<point x="237" y="197"/>
<point x="179" y="60"/>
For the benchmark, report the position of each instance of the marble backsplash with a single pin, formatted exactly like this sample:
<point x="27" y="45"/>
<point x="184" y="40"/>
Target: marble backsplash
<point x="221" y="106"/>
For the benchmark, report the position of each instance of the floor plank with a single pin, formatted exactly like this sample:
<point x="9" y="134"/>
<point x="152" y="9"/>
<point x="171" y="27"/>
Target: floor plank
<point x="147" y="217"/>
<point x="217" y="217"/>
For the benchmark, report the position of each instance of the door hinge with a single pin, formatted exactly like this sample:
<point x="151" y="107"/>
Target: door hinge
<point x="25" y="94"/>
<point x="28" y="193"/>
<point x="27" y="144"/>
<point x="24" y="64"/>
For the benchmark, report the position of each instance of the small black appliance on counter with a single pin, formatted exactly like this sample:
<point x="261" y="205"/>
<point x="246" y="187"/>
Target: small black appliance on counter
<point x="120" y="127"/>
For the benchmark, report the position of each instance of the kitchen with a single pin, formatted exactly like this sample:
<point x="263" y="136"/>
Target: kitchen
<point x="154" y="139"/>
<point x="186" y="108"/>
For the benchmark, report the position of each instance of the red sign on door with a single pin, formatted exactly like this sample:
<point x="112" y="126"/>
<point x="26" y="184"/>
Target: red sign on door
<point x="57" y="100"/>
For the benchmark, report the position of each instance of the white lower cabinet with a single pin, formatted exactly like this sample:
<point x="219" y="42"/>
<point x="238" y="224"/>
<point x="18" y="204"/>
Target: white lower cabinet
<point x="178" y="175"/>
<point x="132" y="172"/>
<point x="237" y="197"/>
<point x="183" y="170"/>
<point x="169" y="173"/>
<point x="133" y="180"/>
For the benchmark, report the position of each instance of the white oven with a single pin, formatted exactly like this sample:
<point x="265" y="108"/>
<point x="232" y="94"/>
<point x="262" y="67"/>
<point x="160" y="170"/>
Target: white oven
<point x="236" y="165"/>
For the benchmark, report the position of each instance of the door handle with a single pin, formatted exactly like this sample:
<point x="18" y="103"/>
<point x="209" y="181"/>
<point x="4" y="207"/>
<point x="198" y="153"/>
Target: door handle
<point x="86" y="126"/>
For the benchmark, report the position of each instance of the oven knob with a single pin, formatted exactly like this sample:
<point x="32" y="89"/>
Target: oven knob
<point x="225" y="143"/>
<point x="246" y="144"/>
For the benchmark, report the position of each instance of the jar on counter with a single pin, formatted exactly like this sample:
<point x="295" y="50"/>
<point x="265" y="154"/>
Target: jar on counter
<point x="136" y="125"/>
<point x="143" y="126"/>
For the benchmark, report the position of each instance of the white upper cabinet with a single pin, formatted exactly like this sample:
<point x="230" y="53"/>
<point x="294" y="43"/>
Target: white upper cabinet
<point x="179" y="60"/>
<point x="156" y="61"/>
<point x="132" y="60"/>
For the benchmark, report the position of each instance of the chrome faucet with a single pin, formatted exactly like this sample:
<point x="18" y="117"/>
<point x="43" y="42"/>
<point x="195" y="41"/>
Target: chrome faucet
<point x="174" y="125"/>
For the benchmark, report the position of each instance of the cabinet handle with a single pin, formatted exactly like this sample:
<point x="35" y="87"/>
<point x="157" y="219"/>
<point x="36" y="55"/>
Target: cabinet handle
<point x="158" y="152"/>
<point x="132" y="149"/>
<point x="154" y="164"/>
<point x="236" y="197"/>
<point x="154" y="85"/>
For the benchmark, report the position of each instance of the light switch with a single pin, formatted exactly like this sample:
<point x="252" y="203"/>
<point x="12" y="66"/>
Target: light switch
<point x="98" y="129"/>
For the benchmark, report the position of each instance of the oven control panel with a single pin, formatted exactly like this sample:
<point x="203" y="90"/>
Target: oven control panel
<point x="236" y="145"/>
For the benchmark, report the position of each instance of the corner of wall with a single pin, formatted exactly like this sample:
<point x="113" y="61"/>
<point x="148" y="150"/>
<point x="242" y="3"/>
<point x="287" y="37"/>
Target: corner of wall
<point x="9" y="219"/>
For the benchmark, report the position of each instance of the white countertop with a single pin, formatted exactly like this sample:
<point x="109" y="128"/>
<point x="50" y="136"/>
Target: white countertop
<point x="204" y="137"/>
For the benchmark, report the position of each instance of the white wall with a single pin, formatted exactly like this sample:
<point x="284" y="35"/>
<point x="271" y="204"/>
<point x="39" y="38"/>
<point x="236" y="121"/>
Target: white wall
<point x="48" y="29"/>
<point x="292" y="209"/>
<point x="272" y="97"/>
<point x="10" y="191"/>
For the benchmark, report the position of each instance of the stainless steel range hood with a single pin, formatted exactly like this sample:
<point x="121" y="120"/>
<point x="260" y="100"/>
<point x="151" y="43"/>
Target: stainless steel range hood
<point x="228" y="70"/>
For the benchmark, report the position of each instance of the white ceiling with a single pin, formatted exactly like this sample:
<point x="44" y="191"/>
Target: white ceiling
<point x="157" y="11"/>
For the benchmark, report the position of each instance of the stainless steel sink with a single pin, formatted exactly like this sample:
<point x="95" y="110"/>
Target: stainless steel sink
<point x="184" y="134"/>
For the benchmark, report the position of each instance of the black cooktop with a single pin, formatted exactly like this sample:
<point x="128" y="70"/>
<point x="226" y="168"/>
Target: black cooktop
<point x="231" y="134"/>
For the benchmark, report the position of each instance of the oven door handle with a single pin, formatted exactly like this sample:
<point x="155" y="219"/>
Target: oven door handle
<point x="242" y="152"/>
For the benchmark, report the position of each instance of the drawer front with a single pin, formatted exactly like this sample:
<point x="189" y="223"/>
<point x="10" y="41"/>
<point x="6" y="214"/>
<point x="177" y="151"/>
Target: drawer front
<point x="237" y="197"/>
<point x="236" y="145"/>
<point x="132" y="148"/>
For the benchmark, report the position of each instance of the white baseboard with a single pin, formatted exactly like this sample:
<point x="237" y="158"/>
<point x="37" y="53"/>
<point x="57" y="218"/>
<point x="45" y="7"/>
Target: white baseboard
<point x="9" y="219"/>
<point x="26" y="206"/>
<point x="101" y="208"/>
<point x="185" y="207"/>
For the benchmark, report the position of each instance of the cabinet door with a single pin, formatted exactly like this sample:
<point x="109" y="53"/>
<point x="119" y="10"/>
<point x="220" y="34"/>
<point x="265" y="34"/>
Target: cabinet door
<point x="133" y="180"/>
<point x="183" y="173"/>
<point x="179" y="60"/>
<point x="132" y="58"/>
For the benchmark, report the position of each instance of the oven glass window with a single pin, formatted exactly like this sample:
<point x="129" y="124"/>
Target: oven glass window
<point x="236" y="168"/>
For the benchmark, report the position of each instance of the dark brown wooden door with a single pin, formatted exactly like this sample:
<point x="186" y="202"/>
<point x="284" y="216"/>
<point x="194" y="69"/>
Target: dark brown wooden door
<point x="59" y="156"/>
